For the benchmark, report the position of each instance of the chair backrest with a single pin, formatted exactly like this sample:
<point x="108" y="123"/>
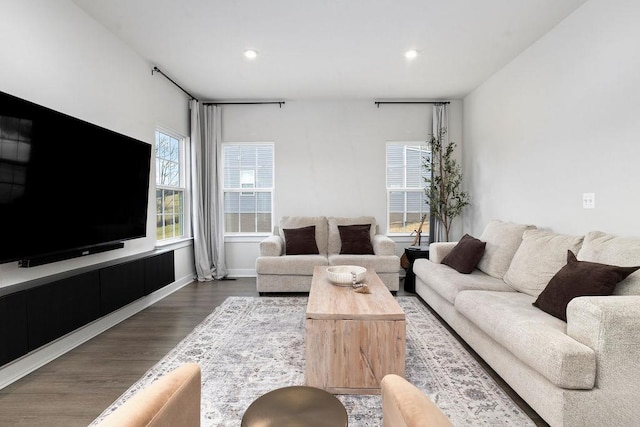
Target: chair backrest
<point x="404" y="405"/>
<point x="172" y="400"/>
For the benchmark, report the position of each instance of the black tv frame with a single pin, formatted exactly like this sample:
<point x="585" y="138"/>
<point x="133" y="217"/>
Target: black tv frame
<point x="96" y="237"/>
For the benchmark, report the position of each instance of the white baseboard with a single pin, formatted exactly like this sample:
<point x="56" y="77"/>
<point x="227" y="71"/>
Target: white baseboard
<point x="28" y="363"/>
<point x="242" y="272"/>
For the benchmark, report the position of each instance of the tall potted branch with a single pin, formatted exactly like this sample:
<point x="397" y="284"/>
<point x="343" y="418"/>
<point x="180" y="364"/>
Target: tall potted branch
<point x="443" y="183"/>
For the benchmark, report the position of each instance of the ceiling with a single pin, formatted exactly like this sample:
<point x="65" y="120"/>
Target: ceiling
<point x="329" y="49"/>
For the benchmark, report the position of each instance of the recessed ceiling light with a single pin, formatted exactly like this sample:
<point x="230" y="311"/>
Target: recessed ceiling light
<point x="411" y="54"/>
<point x="250" y="53"/>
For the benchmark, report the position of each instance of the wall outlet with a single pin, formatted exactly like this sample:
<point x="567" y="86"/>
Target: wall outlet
<point x="588" y="200"/>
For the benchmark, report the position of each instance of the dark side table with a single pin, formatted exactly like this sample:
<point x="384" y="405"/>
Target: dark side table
<point x="413" y="253"/>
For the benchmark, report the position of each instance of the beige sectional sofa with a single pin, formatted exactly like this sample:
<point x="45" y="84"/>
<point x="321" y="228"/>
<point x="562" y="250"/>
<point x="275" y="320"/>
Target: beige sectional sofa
<point x="278" y="271"/>
<point x="584" y="371"/>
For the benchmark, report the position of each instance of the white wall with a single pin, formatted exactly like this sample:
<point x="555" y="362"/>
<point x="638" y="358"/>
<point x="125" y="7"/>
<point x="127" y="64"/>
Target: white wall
<point x="329" y="157"/>
<point x="55" y="55"/>
<point x="560" y="120"/>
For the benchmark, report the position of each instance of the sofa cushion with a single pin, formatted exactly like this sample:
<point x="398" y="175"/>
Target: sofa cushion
<point x="447" y="282"/>
<point x="355" y="239"/>
<point x="609" y="249"/>
<point x="579" y="278"/>
<point x="465" y="255"/>
<point x="334" y="241"/>
<point x="503" y="240"/>
<point x="540" y="256"/>
<point x="300" y="241"/>
<point x="377" y="263"/>
<point x="320" y="222"/>
<point x="301" y="265"/>
<point x="536" y="338"/>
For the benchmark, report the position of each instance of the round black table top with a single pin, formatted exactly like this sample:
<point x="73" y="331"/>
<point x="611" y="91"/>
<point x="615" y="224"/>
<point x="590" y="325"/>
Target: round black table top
<point x="296" y="406"/>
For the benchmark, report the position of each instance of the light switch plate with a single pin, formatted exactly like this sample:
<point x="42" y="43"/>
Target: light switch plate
<point x="588" y="200"/>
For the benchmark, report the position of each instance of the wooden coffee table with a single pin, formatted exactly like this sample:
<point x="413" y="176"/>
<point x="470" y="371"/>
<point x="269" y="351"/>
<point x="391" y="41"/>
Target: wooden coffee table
<point x="352" y="339"/>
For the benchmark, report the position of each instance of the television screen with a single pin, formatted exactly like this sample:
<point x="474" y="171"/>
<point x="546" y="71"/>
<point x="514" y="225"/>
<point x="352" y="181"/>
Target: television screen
<point x="66" y="184"/>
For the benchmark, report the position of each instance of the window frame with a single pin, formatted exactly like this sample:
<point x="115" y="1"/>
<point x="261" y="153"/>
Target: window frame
<point x="184" y="165"/>
<point x="404" y="188"/>
<point x="243" y="191"/>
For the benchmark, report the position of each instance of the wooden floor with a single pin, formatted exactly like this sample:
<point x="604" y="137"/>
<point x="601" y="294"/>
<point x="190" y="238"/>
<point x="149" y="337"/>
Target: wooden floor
<point x="75" y="388"/>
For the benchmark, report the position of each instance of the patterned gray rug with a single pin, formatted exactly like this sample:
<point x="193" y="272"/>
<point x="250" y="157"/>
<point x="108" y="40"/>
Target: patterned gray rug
<point x="251" y="345"/>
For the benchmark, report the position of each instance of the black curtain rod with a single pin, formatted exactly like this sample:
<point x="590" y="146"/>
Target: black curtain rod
<point x="410" y="102"/>
<point x="244" y="103"/>
<point x="157" y="70"/>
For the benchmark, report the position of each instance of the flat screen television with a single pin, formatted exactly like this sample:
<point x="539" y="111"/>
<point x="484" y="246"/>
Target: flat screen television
<point x="67" y="187"/>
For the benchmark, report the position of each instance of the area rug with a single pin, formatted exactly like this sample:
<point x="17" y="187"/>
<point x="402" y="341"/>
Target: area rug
<point x="251" y="345"/>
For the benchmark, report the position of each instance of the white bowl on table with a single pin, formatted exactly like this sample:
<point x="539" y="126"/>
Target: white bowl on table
<point x="342" y="275"/>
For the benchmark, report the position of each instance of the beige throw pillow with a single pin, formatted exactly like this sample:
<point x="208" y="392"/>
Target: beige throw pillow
<point x="609" y="249"/>
<point x="540" y="256"/>
<point x="503" y="240"/>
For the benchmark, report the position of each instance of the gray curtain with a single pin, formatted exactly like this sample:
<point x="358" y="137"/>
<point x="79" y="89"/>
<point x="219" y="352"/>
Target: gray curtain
<point x="207" y="197"/>
<point x="439" y="129"/>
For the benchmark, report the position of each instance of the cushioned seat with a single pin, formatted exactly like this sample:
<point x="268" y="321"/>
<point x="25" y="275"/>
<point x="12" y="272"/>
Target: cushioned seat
<point x="533" y="336"/>
<point x="447" y="282"/>
<point x="301" y="265"/>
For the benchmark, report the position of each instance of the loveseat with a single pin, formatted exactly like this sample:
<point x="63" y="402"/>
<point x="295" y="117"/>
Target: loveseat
<point x="299" y="243"/>
<point x="582" y="371"/>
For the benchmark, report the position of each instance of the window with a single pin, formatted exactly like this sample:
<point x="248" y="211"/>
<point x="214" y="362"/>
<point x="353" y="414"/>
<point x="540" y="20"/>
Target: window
<point x="171" y="166"/>
<point x="248" y="187"/>
<point x="406" y="175"/>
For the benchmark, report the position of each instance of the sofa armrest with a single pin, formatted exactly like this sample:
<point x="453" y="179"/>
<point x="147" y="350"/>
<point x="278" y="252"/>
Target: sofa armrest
<point x="271" y="246"/>
<point x="383" y="245"/>
<point x="439" y="250"/>
<point x="173" y="399"/>
<point x="405" y="405"/>
<point x="609" y="325"/>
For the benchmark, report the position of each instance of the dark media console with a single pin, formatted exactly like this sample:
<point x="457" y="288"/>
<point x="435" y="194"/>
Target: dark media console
<point x="47" y="259"/>
<point x="38" y="312"/>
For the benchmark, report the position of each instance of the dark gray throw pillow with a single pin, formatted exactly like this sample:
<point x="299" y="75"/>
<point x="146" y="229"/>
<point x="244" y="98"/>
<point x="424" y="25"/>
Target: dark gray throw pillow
<point x="300" y="241"/>
<point x="465" y="255"/>
<point x="579" y="278"/>
<point x="355" y="239"/>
